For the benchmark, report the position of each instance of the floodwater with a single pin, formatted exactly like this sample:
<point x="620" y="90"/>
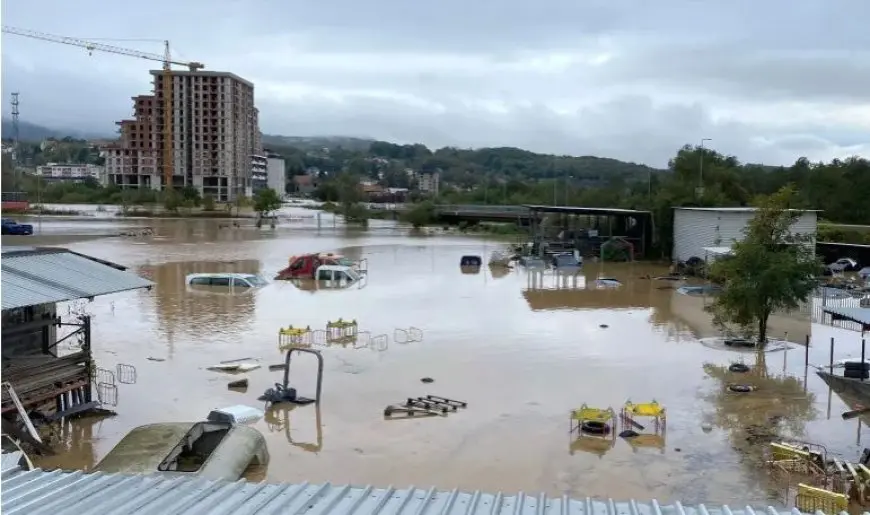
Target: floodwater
<point x="521" y="348"/>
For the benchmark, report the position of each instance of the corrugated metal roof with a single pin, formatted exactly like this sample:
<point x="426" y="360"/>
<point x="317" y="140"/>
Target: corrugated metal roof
<point x="858" y="315"/>
<point x="53" y="493"/>
<point x="39" y="276"/>
<point x="740" y="209"/>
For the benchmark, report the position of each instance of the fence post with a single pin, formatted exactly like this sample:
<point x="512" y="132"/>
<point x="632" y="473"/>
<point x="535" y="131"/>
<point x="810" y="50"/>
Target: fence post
<point x="807" y="352"/>
<point x="832" y="355"/>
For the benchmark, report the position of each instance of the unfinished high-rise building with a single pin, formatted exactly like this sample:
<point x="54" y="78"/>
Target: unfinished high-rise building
<point x="214" y="128"/>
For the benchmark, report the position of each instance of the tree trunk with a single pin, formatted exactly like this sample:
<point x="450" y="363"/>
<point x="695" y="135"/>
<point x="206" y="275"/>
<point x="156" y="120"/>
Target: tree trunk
<point x="762" y="329"/>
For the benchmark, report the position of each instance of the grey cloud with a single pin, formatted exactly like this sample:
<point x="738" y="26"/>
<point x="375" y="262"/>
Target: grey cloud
<point x="672" y="64"/>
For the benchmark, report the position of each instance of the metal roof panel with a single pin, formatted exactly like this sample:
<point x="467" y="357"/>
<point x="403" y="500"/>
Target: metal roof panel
<point x="39" y="492"/>
<point x="858" y="315"/>
<point x="33" y="278"/>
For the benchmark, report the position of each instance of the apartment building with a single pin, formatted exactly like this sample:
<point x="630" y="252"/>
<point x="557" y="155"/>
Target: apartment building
<point x="214" y="134"/>
<point x="132" y="161"/>
<point x="72" y="172"/>
<point x="429" y="183"/>
<point x="276" y="176"/>
<point x="259" y="177"/>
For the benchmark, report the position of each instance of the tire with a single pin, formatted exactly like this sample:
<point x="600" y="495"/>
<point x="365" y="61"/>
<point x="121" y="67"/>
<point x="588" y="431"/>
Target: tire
<point x="739" y="368"/>
<point x="740" y="388"/>
<point x="595" y="428"/>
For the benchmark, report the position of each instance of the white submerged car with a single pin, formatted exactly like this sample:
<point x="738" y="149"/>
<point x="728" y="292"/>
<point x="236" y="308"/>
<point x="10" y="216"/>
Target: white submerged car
<point x="226" y="280"/>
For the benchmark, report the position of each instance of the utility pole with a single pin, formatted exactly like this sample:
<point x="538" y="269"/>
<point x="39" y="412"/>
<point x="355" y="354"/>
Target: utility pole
<point x="15" y="142"/>
<point x="700" y="191"/>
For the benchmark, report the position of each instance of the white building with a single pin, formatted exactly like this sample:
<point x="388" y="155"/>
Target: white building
<point x="72" y="172"/>
<point x="429" y="183"/>
<point x="258" y="174"/>
<point x="707" y="231"/>
<point x="276" y="178"/>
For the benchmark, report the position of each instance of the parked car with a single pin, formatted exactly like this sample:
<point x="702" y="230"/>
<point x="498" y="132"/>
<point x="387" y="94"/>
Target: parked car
<point x="844" y="265"/>
<point x="226" y="280"/>
<point x="12" y="227"/>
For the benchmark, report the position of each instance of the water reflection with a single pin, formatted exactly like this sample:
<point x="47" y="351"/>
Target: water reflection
<point x="552" y="289"/>
<point x="184" y="309"/>
<point x="278" y="418"/>
<point x="779" y="407"/>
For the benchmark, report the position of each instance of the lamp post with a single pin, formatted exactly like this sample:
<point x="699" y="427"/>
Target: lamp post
<point x="700" y="190"/>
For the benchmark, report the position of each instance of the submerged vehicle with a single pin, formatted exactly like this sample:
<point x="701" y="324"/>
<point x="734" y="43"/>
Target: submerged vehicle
<point x="567" y="260"/>
<point x="207" y="450"/>
<point x="852" y="381"/>
<point x="11" y="227"/>
<point x="306" y="265"/>
<point x="230" y="280"/>
<point x="332" y="277"/>
<point x="500" y="258"/>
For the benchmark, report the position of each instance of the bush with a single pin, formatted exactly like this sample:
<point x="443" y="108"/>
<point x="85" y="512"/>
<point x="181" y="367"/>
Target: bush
<point x="420" y="214"/>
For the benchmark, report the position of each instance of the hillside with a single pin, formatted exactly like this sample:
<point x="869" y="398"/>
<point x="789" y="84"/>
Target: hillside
<point x="308" y="143"/>
<point x="32" y="132"/>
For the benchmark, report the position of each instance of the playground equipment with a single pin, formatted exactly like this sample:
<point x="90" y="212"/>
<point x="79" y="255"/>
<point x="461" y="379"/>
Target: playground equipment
<point x="283" y="392"/>
<point x="294" y="338"/>
<point x="337" y="332"/>
<point x="342" y="332"/>
<point x="650" y="410"/>
<point x="428" y="406"/>
<point x="823" y="483"/>
<point x="595" y="429"/>
<point x="810" y="499"/>
<point x="409" y="335"/>
<point x="278" y="419"/>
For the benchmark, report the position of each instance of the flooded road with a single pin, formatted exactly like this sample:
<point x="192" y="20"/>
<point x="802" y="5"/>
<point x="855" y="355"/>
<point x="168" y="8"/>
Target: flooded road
<point x="522" y="348"/>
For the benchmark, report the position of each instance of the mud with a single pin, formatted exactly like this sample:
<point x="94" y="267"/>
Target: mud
<point x="522" y="349"/>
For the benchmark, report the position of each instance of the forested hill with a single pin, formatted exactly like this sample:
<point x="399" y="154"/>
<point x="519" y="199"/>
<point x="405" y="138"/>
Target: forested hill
<point x="459" y="167"/>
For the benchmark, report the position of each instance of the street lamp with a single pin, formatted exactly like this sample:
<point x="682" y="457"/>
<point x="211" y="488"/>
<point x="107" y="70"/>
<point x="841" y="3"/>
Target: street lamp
<point x="700" y="191"/>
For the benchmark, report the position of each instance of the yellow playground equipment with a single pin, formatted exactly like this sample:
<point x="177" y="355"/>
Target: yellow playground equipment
<point x="595" y="428"/>
<point x="654" y="438"/>
<point x="806" y="459"/>
<point x="294" y="338"/>
<point x="341" y="331"/>
<point x="810" y="499"/>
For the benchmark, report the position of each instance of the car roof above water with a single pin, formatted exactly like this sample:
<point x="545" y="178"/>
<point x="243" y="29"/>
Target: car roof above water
<point x="222" y="274"/>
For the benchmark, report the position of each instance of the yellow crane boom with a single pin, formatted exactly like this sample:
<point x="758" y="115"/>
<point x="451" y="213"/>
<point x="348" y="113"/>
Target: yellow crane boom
<point x="165" y="59"/>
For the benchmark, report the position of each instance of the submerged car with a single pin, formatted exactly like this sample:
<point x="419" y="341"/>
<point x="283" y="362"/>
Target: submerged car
<point x="207" y="450"/>
<point x="13" y="228"/>
<point x="227" y="280"/>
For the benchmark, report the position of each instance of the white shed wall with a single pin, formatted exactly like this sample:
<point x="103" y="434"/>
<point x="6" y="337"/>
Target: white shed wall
<point x="695" y="229"/>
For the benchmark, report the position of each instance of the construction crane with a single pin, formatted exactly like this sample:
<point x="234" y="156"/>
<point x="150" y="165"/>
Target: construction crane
<point x="167" y="61"/>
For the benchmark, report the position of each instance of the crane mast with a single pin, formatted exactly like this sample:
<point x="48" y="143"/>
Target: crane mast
<point x="165" y="59"/>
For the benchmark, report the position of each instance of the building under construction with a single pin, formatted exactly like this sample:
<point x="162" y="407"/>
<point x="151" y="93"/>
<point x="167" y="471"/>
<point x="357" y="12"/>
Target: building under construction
<point x="214" y="132"/>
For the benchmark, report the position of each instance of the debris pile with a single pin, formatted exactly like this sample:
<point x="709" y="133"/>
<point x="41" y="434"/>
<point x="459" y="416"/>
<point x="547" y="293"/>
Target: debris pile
<point x="428" y="406"/>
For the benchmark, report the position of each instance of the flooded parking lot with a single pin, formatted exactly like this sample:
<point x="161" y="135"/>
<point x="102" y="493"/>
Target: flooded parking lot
<point x="522" y="348"/>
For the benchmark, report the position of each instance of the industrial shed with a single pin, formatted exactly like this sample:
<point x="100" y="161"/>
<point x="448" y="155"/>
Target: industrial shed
<point x="700" y="231"/>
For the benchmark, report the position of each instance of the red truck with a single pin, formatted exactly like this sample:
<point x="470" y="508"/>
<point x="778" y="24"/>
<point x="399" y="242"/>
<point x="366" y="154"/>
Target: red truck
<point x="304" y="266"/>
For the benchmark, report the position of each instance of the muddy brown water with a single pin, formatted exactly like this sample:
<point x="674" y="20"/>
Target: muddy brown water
<point x="521" y="348"/>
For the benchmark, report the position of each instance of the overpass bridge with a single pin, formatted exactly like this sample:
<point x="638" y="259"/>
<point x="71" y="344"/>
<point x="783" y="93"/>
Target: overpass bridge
<point x="471" y="212"/>
<point x="631" y="225"/>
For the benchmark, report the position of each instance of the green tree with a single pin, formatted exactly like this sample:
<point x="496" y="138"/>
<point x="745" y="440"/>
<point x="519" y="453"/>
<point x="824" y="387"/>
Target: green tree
<point x="171" y="200"/>
<point x="266" y="201"/>
<point x="772" y="269"/>
<point x="420" y="214"/>
<point x="208" y="203"/>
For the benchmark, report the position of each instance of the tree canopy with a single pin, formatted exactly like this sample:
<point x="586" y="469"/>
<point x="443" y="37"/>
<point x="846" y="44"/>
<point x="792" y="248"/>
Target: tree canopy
<point x="771" y="269"/>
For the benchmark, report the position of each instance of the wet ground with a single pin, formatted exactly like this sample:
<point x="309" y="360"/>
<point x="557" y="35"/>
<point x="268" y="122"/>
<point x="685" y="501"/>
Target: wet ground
<point x="522" y="349"/>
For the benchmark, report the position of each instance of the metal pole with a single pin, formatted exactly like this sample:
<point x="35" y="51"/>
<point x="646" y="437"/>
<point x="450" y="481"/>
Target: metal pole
<point x="832" y="355"/>
<point x="701" y="168"/>
<point x="807" y="352"/>
<point x="863" y="352"/>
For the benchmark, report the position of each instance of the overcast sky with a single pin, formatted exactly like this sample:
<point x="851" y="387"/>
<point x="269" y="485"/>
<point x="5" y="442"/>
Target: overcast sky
<point x="768" y="81"/>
